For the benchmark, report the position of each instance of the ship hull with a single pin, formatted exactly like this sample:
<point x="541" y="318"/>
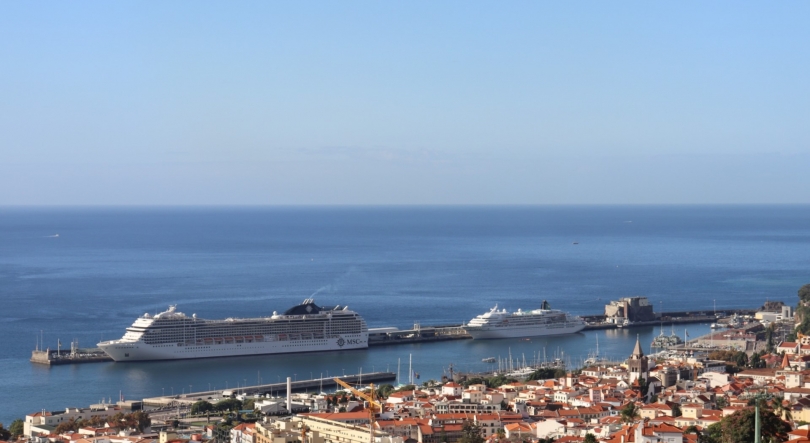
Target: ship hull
<point x="140" y="351"/>
<point x="487" y="333"/>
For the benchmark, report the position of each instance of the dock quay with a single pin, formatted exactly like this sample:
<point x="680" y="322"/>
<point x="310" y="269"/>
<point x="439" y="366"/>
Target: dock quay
<point x="422" y="334"/>
<point x="673" y="317"/>
<point x="419" y="334"/>
<point x="270" y="388"/>
<point x="68" y="357"/>
<point x="743" y="338"/>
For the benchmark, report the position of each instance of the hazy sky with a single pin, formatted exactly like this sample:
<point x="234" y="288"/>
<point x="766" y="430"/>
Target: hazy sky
<point x="419" y="102"/>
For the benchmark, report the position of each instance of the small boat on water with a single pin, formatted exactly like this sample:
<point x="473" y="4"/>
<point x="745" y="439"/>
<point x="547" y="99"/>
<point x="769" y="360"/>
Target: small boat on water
<point x="595" y="359"/>
<point x="665" y="341"/>
<point x="488" y="360"/>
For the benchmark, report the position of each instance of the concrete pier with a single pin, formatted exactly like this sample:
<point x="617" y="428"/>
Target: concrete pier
<point x="419" y="334"/>
<point x="274" y="388"/>
<point x="67" y="357"/>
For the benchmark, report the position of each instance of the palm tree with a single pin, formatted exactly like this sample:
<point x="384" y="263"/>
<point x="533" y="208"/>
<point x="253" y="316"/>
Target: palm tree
<point x="629" y="412"/>
<point x="779" y="408"/>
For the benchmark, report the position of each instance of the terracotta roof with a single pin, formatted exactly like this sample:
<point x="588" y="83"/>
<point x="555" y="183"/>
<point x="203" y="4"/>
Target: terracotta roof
<point x="665" y="427"/>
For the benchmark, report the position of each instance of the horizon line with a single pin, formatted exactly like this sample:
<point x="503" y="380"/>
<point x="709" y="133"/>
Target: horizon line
<point x="386" y="205"/>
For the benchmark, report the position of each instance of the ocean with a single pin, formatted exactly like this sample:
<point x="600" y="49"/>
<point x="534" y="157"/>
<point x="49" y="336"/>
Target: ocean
<point x="87" y="273"/>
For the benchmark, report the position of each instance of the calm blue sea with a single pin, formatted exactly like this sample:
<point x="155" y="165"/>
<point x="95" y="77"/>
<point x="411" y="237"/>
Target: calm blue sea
<point x="394" y="265"/>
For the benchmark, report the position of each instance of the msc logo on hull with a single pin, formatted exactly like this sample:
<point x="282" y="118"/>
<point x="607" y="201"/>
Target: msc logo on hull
<point x="350" y="341"/>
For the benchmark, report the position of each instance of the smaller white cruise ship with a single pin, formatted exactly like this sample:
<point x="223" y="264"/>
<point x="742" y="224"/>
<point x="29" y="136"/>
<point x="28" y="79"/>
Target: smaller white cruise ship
<point x="544" y="321"/>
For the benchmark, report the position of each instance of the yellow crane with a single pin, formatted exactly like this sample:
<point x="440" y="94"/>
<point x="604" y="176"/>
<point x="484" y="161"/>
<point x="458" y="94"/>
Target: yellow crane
<point x="373" y="405"/>
<point x="304" y="430"/>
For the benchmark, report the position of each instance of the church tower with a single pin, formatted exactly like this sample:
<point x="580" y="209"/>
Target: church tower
<point x="637" y="364"/>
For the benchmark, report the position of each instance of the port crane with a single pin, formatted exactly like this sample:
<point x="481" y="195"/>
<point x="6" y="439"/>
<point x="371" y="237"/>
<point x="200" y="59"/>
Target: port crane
<point x="373" y="405"/>
<point x="304" y="429"/>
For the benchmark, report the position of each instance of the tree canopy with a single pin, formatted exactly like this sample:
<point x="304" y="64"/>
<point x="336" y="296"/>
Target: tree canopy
<point x="17" y="428"/>
<point x="228" y="404"/>
<point x="201" y="407"/>
<point x="491" y="382"/>
<point x="547" y="373"/>
<point x="249" y="403"/>
<point x="629" y="412"/>
<point x="804" y="293"/>
<point x="5" y="434"/>
<point x="739" y="427"/>
<point x="803" y="310"/>
<point x="385" y="390"/>
<point x="470" y="433"/>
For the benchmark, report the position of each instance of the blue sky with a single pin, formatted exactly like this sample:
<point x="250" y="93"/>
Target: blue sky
<point x="404" y="102"/>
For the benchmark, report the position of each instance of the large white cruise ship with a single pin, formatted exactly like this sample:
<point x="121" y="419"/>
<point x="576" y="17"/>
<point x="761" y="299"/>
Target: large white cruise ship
<point x="173" y="335"/>
<point x="502" y="324"/>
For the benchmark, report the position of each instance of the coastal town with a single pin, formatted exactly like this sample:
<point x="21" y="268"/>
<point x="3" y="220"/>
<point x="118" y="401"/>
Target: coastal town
<point x="714" y="388"/>
<point x="404" y="222"/>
